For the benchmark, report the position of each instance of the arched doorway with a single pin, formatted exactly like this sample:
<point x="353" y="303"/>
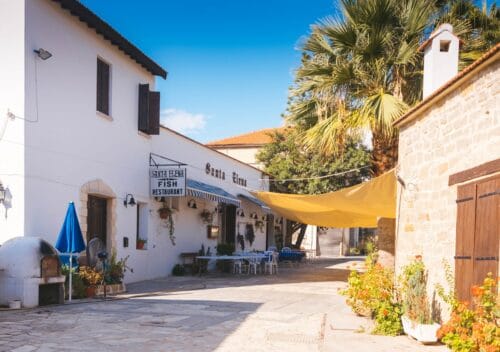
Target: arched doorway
<point x="97" y="212"/>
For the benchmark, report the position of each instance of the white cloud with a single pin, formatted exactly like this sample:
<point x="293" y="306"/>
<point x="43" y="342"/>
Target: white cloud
<point x="183" y="121"/>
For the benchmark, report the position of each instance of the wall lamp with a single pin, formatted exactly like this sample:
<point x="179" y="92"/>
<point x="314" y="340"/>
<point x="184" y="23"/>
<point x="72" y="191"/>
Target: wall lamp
<point x="254" y="216"/>
<point x="192" y="204"/>
<point x="129" y="200"/>
<point x="43" y="54"/>
<point x="2" y="194"/>
<point x="240" y="213"/>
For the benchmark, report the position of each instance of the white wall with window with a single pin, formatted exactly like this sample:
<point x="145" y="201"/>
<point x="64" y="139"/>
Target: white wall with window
<point x="75" y="147"/>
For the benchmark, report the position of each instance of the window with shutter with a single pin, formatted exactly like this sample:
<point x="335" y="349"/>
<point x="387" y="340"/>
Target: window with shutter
<point x="487" y="234"/>
<point x="149" y="110"/>
<point x="478" y="234"/>
<point x="154" y="113"/>
<point x="466" y="217"/>
<point x="103" y="87"/>
<point x="144" y="108"/>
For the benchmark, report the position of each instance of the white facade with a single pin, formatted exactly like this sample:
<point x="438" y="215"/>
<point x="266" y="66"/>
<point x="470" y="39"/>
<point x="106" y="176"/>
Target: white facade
<point x="244" y="154"/>
<point x="58" y="149"/>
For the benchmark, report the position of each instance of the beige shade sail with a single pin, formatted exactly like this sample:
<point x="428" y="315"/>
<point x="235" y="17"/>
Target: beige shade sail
<point x="356" y="206"/>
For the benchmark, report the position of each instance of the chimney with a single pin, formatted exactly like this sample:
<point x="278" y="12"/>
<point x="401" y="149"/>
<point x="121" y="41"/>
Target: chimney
<point x="440" y="58"/>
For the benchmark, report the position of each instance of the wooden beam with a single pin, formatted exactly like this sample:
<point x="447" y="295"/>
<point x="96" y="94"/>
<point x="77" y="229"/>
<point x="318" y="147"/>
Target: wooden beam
<point x="478" y="171"/>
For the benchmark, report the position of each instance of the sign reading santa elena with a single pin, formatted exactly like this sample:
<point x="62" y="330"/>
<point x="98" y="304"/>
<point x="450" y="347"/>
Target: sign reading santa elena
<point x="168" y="181"/>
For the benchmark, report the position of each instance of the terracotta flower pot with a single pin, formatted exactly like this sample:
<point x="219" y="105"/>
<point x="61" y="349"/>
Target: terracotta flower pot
<point x="90" y="291"/>
<point x="164" y="213"/>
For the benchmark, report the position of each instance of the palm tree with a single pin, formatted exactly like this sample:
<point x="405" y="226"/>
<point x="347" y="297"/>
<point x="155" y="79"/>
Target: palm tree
<point x="361" y="70"/>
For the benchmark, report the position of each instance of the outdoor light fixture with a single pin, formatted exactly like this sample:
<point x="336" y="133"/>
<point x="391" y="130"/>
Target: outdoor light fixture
<point x="264" y="217"/>
<point x="240" y="212"/>
<point x="254" y="216"/>
<point x="192" y="204"/>
<point x="129" y="200"/>
<point x="2" y="194"/>
<point x="43" y="54"/>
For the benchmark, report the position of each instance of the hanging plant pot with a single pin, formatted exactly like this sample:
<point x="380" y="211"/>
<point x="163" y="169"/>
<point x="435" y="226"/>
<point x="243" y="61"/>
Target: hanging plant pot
<point x="207" y="217"/>
<point x="164" y="213"/>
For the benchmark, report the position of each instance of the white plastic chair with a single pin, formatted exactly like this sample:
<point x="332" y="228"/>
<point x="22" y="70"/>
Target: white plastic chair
<point x="237" y="266"/>
<point x="271" y="265"/>
<point x="253" y="265"/>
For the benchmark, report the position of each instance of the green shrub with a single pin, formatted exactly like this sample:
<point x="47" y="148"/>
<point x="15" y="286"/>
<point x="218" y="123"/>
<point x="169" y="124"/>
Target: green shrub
<point x="78" y="286"/>
<point x="225" y="249"/>
<point x="178" y="270"/>
<point x="372" y="293"/>
<point x="115" y="270"/>
<point x="388" y="319"/>
<point x="414" y="292"/>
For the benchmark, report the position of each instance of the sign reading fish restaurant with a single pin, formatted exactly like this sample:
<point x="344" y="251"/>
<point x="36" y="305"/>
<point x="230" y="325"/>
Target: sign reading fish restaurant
<point x="168" y="181"/>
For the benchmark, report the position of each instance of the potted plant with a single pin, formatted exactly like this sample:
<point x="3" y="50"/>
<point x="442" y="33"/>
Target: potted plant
<point x="113" y="276"/>
<point x="417" y="317"/>
<point x="166" y="213"/>
<point x="206" y="216"/>
<point x="141" y="243"/>
<point x="91" y="278"/>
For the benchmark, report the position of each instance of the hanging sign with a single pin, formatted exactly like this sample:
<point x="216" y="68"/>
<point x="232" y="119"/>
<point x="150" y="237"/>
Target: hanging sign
<point x="167" y="181"/>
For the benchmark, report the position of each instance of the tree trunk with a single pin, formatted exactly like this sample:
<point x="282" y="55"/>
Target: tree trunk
<point x="384" y="153"/>
<point x="301" y="235"/>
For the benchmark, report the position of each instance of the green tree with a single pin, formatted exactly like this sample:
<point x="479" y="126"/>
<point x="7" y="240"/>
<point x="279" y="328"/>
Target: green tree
<point x="362" y="70"/>
<point x="302" y="171"/>
<point x="306" y="171"/>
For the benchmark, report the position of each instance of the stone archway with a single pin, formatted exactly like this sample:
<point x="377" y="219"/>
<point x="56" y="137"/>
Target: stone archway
<point x="98" y="188"/>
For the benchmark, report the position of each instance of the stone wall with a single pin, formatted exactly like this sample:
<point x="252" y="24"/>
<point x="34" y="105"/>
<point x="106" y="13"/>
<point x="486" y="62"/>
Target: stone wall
<point x="386" y="242"/>
<point x="460" y="131"/>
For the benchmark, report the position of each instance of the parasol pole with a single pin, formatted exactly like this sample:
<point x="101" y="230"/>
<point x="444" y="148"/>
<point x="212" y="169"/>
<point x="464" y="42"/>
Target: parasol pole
<point x="70" y="275"/>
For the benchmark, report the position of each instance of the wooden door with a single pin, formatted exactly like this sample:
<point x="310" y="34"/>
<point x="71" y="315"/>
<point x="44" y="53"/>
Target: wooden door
<point x="229" y="223"/>
<point x="487" y="232"/>
<point x="478" y="234"/>
<point x="96" y="218"/>
<point x="464" y="249"/>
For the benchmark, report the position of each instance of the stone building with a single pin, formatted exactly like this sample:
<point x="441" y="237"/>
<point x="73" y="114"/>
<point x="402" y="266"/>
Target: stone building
<point x="449" y="169"/>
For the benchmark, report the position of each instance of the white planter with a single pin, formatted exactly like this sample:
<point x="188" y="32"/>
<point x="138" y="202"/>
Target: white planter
<point x="15" y="304"/>
<point x="425" y="333"/>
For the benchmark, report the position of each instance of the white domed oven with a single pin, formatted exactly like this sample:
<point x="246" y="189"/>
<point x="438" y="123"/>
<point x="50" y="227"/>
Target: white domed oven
<point x="30" y="271"/>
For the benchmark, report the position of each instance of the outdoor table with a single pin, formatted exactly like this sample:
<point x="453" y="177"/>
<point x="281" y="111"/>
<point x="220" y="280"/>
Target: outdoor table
<point x="293" y="256"/>
<point x="207" y="258"/>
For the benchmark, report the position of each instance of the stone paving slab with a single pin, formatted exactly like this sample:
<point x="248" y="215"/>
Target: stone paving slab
<point x="298" y="310"/>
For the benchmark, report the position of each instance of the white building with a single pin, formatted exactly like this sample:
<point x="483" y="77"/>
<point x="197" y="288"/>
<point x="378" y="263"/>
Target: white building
<point x="69" y="132"/>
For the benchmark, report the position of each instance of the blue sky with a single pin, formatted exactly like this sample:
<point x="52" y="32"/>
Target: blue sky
<point x="230" y="62"/>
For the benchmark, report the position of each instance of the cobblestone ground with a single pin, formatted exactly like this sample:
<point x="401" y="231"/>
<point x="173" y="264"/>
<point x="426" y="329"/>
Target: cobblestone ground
<point x="297" y="310"/>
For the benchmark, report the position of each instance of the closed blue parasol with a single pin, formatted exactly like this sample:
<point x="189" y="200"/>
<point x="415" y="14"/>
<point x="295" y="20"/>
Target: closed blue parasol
<point x="70" y="239"/>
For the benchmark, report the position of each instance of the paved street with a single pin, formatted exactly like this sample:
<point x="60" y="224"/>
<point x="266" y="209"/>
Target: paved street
<point x="298" y="310"/>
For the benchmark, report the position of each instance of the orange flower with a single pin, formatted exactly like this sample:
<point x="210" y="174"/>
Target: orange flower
<point x="418" y="257"/>
<point x="477" y="291"/>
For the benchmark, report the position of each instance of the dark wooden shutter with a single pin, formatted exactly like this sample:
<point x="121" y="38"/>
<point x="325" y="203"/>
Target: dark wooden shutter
<point x="154" y="113"/>
<point x="99" y="86"/>
<point x="144" y="108"/>
<point x="487" y="230"/>
<point x="102" y="99"/>
<point x="466" y="217"/>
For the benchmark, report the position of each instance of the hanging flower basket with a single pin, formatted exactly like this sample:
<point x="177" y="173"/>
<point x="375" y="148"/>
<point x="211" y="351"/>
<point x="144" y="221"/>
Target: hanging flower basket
<point x="164" y="213"/>
<point x="206" y="216"/>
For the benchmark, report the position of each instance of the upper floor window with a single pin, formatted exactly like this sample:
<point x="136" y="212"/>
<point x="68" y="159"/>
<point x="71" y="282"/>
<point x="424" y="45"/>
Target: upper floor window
<point x="103" y="87"/>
